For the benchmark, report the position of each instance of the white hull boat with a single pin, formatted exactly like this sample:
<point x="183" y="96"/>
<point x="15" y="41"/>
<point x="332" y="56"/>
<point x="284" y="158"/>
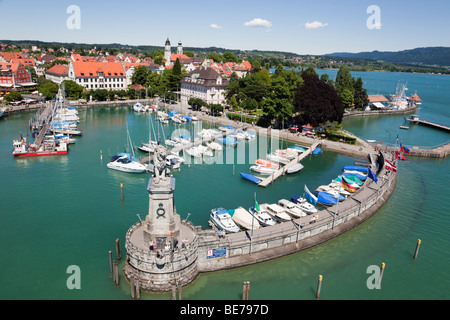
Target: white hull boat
<point x="263" y="217"/>
<point x="223" y="221"/>
<point x="291" y="208"/>
<point x="123" y="162"/>
<point x="277" y="212"/>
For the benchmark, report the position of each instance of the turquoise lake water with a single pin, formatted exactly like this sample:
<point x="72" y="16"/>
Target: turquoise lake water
<point x="66" y="210"/>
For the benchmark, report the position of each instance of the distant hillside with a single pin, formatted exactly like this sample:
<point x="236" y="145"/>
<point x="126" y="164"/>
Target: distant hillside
<point x="430" y="56"/>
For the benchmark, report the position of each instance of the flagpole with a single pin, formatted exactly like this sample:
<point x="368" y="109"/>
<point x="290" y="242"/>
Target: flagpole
<point x="251" y="236"/>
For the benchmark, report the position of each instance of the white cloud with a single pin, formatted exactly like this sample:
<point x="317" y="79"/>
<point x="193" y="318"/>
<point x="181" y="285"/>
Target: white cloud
<point x="215" y="26"/>
<point x="315" y="25"/>
<point x="258" y="22"/>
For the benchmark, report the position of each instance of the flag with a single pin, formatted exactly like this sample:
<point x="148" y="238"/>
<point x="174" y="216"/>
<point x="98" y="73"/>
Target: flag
<point x="256" y="205"/>
<point x="404" y="149"/>
<point x="310" y="197"/>
<point x="390" y="166"/>
<point x="399" y="156"/>
<point x="372" y="175"/>
<point x="346" y="186"/>
<point x="397" y="138"/>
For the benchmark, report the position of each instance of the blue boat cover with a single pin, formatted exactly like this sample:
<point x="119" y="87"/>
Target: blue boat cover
<point x="294" y="199"/>
<point x="317" y="151"/>
<point x="359" y="176"/>
<point x="250" y="177"/>
<point x="223" y="211"/>
<point x="326" y="198"/>
<point x="356" y="168"/>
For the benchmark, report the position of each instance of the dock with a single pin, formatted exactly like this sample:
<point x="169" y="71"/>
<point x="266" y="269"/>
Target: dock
<point x="280" y="172"/>
<point x="433" y="125"/>
<point x="185" y="146"/>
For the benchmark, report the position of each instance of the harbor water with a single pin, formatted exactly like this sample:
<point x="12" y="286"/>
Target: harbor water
<point x="64" y="211"/>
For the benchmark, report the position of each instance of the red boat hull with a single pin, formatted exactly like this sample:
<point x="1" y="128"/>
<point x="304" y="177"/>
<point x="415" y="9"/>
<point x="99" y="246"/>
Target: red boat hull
<point x="37" y="154"/>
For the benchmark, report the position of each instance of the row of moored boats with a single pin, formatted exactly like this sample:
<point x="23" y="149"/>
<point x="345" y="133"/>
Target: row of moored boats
<point x="257" y="216"/>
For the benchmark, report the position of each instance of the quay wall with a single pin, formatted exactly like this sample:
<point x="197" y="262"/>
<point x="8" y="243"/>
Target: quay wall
<point x="283" y="239"/>
<point x="350" y="114"/>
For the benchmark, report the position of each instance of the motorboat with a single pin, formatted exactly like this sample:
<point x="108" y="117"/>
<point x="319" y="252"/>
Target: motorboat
<point x="46" y="148"/>
<point x="250" y="177"/>
<point x="277" y="212"/>
<point x="361" y="169"/>
<point x="291" y="208"/>
<point x="357" y="174"/>
<point x="205" y="151"/>
<point x="302" y="203"/>
<point x="263" y="169"/>
<point x="214" y="146"/>
<point x="60" y="137"/>
<point x="229" y="141"/>
<point x="266" y="163"/>
<point x="263" y="217"/>
<point x="295" y="168"/>
<point x="297" y="149"/>
<point x="223" y="221"/>
<point x="244" y="219"/>
<point x="194" y="152"/>
<point x="326" y="199"/>
<point x="126" y="163"/>
<point x="277" y="159"/>
<point x="331" y="191"/>
<point x="148" y="147"/>
<point x="138" y="107"/>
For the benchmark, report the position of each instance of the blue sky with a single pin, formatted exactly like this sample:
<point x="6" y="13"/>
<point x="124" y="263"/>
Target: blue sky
<point x="264" y="24"/>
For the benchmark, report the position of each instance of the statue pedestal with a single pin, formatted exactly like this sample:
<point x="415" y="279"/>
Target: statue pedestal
<point x="161" y="250"/>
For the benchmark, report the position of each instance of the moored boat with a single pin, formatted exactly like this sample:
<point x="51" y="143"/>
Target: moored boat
<point x="126" y="163"/>
<point x="291" y="208"/>
<point x="47" y="148"/>
<point x="223" y="221"/>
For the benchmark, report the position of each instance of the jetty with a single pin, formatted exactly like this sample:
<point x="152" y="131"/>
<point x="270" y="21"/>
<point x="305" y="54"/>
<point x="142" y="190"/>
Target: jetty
<point x="433" y="125"/>
<point x="184" y="146"/>
<point x="280" y="172"/>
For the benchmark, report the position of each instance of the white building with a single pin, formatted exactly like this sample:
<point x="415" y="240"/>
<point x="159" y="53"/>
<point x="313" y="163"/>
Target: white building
<point x="98" y="75"/>
<point x="204" y="83"/>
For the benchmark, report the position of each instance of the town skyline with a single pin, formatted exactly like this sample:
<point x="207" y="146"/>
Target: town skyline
<point x="300" y="27"/>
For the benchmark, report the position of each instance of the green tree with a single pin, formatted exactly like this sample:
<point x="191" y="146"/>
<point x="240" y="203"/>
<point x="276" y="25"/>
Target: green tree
<point x="100" y="95"/>
<point x="344" y="80"/>
<point x="13" y="96"/>
<point x="361" y="99"/>
<point x="347" y="98"/>
<point x="278" y="104"/>
<point x="49" y="90"/>
<point x="140" y="76"/>
<point x="233" y="102"/>
<point x="229" y="57"/>
<point x="72" y="89"/>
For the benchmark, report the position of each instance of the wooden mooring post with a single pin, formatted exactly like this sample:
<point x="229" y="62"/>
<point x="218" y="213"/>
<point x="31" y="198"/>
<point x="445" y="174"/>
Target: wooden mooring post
<point x="121" y="191"/>
<point x="110" y="261"/>
<point x="245" y="290"/>
<point x="319" y="286"/>
<point x="118" y="249"/>
<point x="115" y="272"/>
<point x="417" y="249"/>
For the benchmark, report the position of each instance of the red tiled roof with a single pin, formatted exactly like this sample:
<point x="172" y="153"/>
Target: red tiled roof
<point x="11" y="55"/>
<point x="59" y="69"/>
<point x="91" y="69"/>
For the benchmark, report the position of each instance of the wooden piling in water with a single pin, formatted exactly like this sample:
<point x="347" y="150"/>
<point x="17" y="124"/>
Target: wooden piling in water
<point x="383" y="265"/>
<point x="319" y="286"/>
<point x="245" y="290"/>
<point x="121" y="191"/>
<point x="174" y="292"/>
<point x="417" y="249"/>
<point x="118" y="249"/>
<point x="110" y="261"/>
<point x="115" y="272"/>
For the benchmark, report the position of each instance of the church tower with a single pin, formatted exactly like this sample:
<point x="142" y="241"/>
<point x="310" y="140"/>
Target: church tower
<point x="167" y="52"/>
<point x="180" y="48"/>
